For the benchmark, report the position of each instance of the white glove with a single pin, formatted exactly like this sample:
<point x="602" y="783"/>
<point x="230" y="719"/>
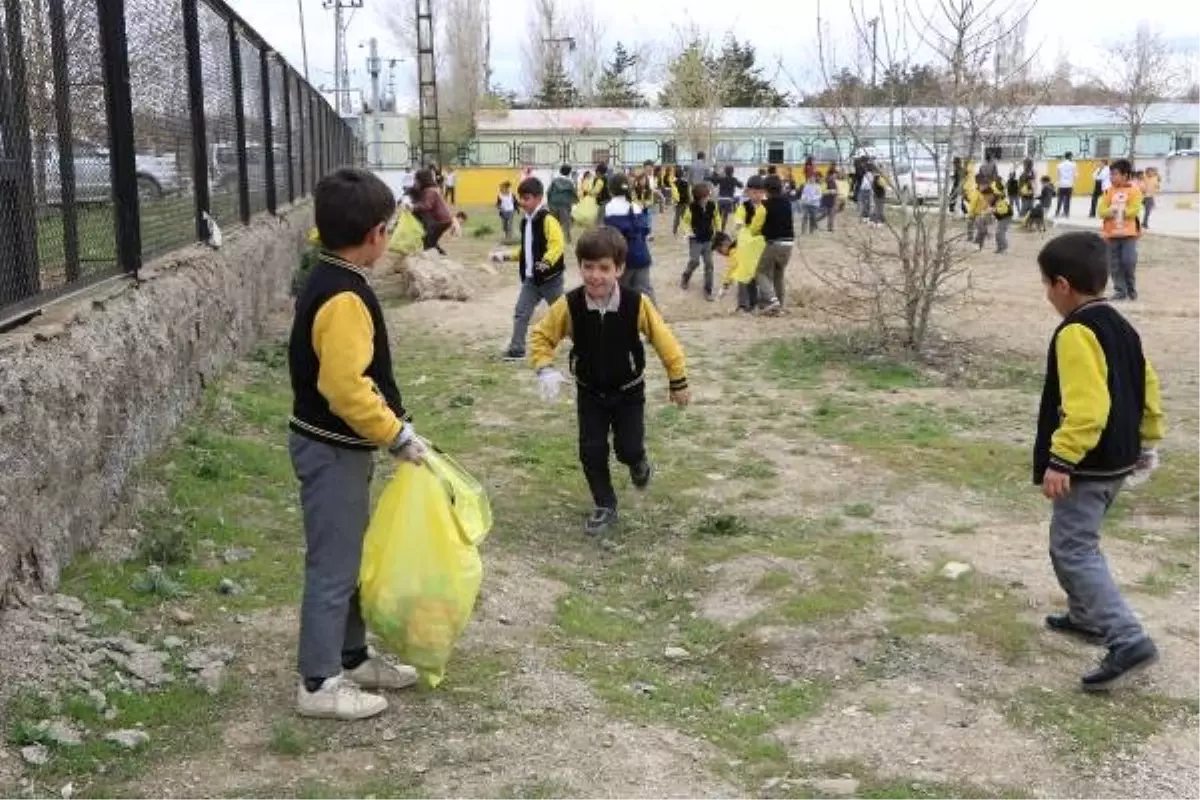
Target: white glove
<point x="408" y="446"/>
<point x="1147" y="462"/>
<point x="550" y="381"/>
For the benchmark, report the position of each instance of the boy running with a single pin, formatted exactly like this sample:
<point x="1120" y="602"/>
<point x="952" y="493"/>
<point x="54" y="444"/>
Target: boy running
<point x="540" y="256"/>
<point x="606" y="322"/>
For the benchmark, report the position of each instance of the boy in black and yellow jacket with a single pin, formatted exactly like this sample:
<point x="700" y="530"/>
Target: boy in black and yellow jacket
<point x="606" y="322"/>
<point x="540" y="256"/>
<point x="1099" y="423"/>
<point x="346" y="405"/>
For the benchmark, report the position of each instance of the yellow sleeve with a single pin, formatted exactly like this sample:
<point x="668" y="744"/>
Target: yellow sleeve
<point x="1103" y="206"/>
<point x="687" y="216"/>
<point x="1083" y="386"/>
<point x="760" y="217"/>
<point x="739" y="216"/>
<point x="343" y="339"/>
<point x="555" y="243"/>
<point x="651" y="325"/>
<point x="1154" y="421"/>
<point x="1133" y="208"/>
<point x="545" y="336"/>
<point x="717" y="226"/>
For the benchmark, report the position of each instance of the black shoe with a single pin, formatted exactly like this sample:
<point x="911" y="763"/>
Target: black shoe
<point x="1117" y="297"/>
<point x="600" y="520"/>
<point x="513" y="355"/>
<point x="1133" y="296"/>
<point x="684" y="280"/>
<point x="1062" y="623"/>
<point x="640" y="474"/>
<point x="1120" y="663"/>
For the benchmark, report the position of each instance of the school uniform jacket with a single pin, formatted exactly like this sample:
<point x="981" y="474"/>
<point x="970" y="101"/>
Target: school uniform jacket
<point x="607" y="355"/>
<point x="1100" y="401"/>
<point x="548" y="248"/>
<point x="340" y="361"/>
<point x="1129" y="226"/>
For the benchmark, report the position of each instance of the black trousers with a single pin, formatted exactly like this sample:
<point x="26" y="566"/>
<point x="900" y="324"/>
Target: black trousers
<point x="1064" y="203"/>
<point x="1097" y="193"/>
<point x="624" y="415"/>
<point x="433" y="232"/>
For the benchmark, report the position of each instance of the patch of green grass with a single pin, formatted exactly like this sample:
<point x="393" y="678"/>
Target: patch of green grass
<point x="1168" y="578"/>
<point x="977" y="606"/>
<point x="722" y="525"/>
<point x="1172" y="491"/>
<point x="805" y="362"/>
<point x="1096" y="725"/>
<point x="774" y="581"/>
<point x="860" y="510"/>
<point x="287" y="739"/>
<point x="179" y="719"/>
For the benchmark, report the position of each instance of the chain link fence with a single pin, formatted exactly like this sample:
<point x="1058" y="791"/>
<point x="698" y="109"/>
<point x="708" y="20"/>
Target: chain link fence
<point x="124" y="122"/>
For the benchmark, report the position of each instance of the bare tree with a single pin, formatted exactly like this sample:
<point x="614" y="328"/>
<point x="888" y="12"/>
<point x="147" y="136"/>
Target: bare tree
<point x="586" y="60"/>
<point x="1140" y="71"/>
<point x="695" y="83"/>
<point x="543" y="52"/>
<point x="893" y="278"/>
<point x="465" y="82"/>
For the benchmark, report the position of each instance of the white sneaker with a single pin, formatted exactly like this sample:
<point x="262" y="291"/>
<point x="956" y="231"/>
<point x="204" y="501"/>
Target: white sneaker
<point x="338" y="698"/>
<point x="375" y="673"/>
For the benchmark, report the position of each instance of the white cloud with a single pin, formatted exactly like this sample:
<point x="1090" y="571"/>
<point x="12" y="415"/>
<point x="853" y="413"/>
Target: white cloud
<point x="1082" y="31"/>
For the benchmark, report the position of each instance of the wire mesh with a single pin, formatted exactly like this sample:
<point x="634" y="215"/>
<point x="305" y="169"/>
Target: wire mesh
<point x="162" y="126"/>
<point x="252" y="112"/>
<point x="220" y="121"/>
<point x="299" y="136"/>
<point x="278" y="133"/>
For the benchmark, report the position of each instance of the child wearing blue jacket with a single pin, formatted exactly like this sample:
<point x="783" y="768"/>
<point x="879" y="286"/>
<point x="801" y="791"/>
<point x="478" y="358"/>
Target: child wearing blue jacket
<point x="633" y="221"/>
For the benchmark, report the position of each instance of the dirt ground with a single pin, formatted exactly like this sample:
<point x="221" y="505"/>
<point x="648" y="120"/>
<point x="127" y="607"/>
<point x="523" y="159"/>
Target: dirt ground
<point x="792" y="546"/>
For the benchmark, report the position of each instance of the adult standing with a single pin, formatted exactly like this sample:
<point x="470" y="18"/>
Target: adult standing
<point x="699" y="170"/>
<point x="1066" y="186"/>
<point x="451" y="178"/>
<point x="1101" y="181"/>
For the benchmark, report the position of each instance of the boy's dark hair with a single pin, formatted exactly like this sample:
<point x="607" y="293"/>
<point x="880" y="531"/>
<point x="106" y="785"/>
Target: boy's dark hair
<point x="602" y="168"/>
<point x="602" y="242"/>
<point x="721" y="239"/>
<point x="461" y="216"/>
<point x="772" y="170"/>
<point x="1080" y="258"/>
<point x="728" y="170"/>
<point x="531" y="187"/>
<point x="618" y="185"/>
<point x="1122" y="165"/>
<point x="564" y="170"/>
<point x="505" y="185"/>
<point x="701" y="192"/>
<point x="349" y="203"/>
<point x="1045" y="179"/>
<point x="1069" y="154"/>
<point x="773" y="185"/>
<point x="755" y="182"/>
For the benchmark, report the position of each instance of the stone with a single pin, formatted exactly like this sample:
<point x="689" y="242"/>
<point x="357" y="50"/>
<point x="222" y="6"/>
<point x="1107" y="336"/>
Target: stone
<point x="67" y="791"/>
<point x="35" y="754"/>
<point x="181" y="617"/>
<point x="197" y="660"/>
<point x="641" y="687"/>
<point x="172" y="642"/>
<point x="148" y="667"/>
<point x="99" y="701"/>
<point x="211" y="677"/>
<point x="235" y="554"/>
<point x="227" y="586"/>
<point x="66" y="604"/>
<point x="129" y="738"/>
<point x="504" y="620"/>
<point x="955" y="570"/>
<point x="771" y="783"/>
<point x="837" y="787"/>
<point x="62" y="733"/>
<point x="388" y="735"/>
<point x="675" y="654"/>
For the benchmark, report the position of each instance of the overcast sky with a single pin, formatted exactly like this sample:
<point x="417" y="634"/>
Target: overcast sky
<point x="1081" y="29"/>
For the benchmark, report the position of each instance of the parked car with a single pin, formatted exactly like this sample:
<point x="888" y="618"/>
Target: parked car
<point x="157" y="176"/>
<point x="918" y="180"/>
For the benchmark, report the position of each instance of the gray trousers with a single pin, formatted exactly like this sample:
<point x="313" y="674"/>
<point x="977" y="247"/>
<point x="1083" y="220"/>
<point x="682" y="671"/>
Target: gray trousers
<point x="1122" y="265"/>
<point x="335" y="498"/>
<point x="638" y="280"/>
<point x="1093" y="599"/>
<point x="563" y="215"/>
<point x="769" y="276"/>
<point x="527" y="302"/>
<point x="1002" y="226"/>
<point x="697" y="252"/>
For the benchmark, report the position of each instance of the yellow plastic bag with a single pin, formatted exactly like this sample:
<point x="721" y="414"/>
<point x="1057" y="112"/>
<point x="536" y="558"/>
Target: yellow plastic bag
<point x="421" y="569"/>
<point x="585" y="212"/>
<point x="749" y="250"/>
<point x="408" y="234"/>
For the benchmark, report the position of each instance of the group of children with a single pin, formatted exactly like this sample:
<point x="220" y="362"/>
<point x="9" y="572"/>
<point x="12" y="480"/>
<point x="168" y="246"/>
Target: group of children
<point x="1099" y="422"/>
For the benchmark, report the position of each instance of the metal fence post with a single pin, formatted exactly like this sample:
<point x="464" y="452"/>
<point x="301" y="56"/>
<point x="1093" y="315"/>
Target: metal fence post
<point x="195" y="70"/>
<point x="239" y="116"/>
<point x="20" y="276"/>
<point x="268" y="129"/>
<point x="286" y="86"/>
<point x="66" y="147"/>
<point x="122" y="153"/>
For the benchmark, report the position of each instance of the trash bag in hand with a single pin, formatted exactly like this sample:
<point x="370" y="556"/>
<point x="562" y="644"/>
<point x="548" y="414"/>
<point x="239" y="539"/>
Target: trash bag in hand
<point x="421" y="569"/>
<point x="408" y="235"/>
<point x="585" y="212"/>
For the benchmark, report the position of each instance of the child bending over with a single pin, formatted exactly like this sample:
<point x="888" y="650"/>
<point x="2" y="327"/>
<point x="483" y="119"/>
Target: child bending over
<point x="606" y="322"/>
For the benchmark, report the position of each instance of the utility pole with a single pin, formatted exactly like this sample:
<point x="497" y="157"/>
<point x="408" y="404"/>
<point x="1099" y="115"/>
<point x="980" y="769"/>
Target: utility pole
<point x="303" y="37"/>
<point x="341" y="69"/>
<point x="874" y="26"/>
<point x="429" y="142"/>
<point x="373" y="66"/>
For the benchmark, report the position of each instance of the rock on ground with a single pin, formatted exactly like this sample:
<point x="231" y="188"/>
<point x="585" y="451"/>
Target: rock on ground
<point x="128" y="738"/>
<point x="427" y="276"/>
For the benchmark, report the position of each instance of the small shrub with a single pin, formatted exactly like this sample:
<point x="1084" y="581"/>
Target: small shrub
<point x="722" y="525"/>
<point x="482" y="230"/>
